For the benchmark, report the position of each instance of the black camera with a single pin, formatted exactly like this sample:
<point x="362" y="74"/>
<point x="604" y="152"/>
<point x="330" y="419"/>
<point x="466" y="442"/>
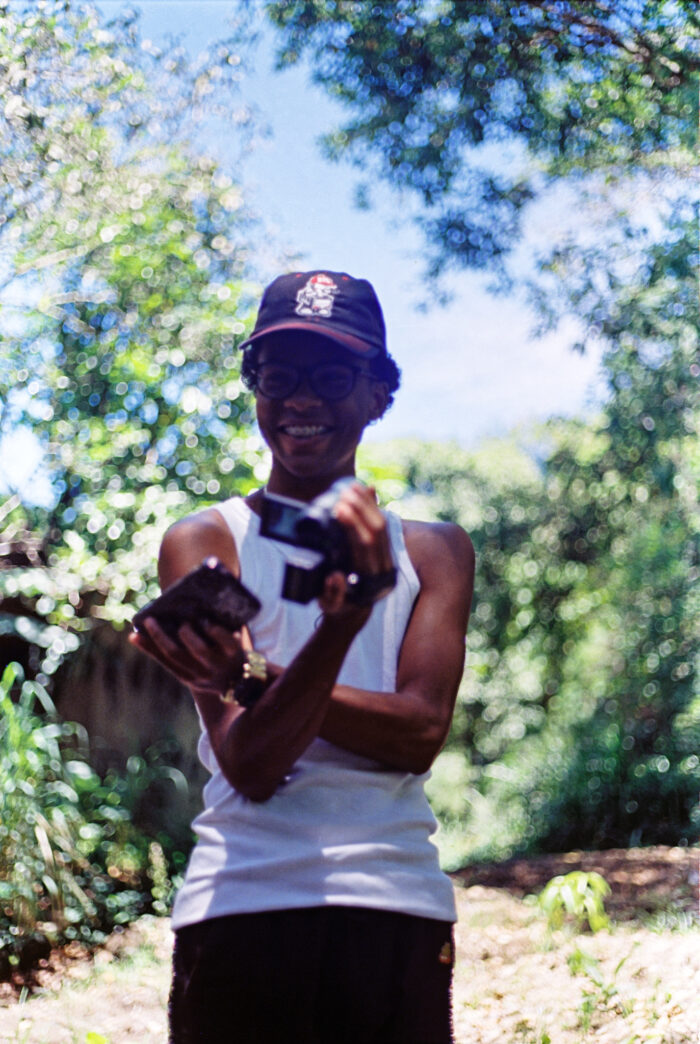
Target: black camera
<point x="311" y="526"/>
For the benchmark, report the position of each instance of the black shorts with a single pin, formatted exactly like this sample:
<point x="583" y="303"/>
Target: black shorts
<point x="324" y="975"/>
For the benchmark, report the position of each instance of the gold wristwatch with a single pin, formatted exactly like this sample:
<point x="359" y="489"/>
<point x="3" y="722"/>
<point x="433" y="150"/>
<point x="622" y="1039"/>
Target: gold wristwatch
<point x="251" y="685"/>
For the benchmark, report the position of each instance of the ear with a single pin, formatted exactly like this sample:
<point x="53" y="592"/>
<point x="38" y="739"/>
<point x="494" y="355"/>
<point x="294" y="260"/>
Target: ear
<point x="379" y="400"/>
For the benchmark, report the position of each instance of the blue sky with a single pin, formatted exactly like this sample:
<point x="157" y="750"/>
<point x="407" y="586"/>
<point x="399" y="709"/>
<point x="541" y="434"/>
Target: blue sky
<point x="471" y="370"/>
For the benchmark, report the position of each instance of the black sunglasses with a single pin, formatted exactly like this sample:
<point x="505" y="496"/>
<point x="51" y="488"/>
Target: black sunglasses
<point x="332" y="381"/>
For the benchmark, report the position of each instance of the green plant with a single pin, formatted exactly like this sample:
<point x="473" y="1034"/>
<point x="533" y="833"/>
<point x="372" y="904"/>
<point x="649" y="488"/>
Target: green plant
<point x="127" y="252"/>
<point x="603" y="997"/>
<point x="528" y="1035"/>
<point x="72" y="865"/>
<point x="161" y="885"/>
<point x="577" y="723"/>
<point x="670" y="917"/>
<point x="579" y="895"/>
<point x="581" y="963"/>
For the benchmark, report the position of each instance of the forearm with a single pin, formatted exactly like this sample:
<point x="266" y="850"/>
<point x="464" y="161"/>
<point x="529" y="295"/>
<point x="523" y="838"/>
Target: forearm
<point x="402" y="730"/>
<point x="256" y="748"/>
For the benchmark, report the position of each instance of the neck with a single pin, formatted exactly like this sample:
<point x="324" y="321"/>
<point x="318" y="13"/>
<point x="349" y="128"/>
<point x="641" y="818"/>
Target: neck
<point x="304" y="488"/>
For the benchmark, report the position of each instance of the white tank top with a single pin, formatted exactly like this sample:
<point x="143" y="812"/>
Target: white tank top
<point x="342" y="829"/>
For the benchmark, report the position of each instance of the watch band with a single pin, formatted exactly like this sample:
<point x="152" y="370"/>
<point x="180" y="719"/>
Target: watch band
<point x="251" y="685"/>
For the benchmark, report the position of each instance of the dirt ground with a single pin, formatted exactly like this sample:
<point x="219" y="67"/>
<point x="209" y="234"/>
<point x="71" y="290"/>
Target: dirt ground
<point x="515" y="982"/>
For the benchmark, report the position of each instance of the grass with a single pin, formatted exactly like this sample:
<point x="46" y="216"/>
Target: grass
<point x="105" y="1001"/>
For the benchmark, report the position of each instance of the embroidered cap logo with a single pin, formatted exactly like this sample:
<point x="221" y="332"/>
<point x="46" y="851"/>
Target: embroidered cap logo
<point x="316" y="298"/>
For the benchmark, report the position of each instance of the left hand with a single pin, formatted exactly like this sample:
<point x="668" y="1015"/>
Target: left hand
<point x="212" y="665"/>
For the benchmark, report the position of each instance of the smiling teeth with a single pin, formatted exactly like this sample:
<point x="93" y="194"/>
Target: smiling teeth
<point x="304" y="431"/>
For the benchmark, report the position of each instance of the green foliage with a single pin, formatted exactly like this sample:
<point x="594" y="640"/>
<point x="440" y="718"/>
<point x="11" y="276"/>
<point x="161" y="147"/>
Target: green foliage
<point x="126" y="292"/>
<point x="577" y="722"/>
<point x="72" y="865"/>
<point x="578" y="896"/>
<point x="579" y="962"/>
<point x="473" y="108"/>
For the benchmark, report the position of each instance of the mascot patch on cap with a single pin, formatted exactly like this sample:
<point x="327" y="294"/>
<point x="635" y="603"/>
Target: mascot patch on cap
<point x="316" y="298"/>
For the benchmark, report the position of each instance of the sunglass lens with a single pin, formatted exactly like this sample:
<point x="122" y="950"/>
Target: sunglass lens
<point x="277" y="382"/>
<point x="333" y="381"/>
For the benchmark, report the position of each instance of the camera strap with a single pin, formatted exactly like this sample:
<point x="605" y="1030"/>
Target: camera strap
<point x="364" y="590"/>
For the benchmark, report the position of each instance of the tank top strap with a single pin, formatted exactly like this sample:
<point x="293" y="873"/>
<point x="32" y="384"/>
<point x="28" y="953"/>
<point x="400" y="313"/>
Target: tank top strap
<point x="244" y="526"/>
<point x="237" y="516"/>
<point x="398" y="546"/>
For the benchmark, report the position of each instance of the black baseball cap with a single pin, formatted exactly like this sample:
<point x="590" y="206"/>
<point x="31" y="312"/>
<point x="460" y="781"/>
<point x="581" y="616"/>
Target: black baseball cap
<point x="333" y="304"/>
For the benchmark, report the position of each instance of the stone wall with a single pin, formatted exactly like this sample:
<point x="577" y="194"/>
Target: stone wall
<point x="129" y="705"/>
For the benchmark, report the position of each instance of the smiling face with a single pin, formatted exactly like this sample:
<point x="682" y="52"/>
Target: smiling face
<point x="313" y="439"/>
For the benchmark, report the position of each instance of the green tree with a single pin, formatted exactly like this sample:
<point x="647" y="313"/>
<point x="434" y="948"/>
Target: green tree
<point x="638" y="529"/>
<point x="473" y="109"/>
<point x="578" y="720"/>
<point x="127" y="287"/>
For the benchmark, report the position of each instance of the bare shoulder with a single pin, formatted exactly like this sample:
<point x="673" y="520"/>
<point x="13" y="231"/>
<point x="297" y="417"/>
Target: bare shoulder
<point x="201" y="527"/>
<point x="440" y="551"/>
<point x="192" y="539"/>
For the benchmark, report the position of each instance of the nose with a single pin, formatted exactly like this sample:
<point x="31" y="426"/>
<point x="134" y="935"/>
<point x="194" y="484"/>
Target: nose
<point x="303" y="395"/>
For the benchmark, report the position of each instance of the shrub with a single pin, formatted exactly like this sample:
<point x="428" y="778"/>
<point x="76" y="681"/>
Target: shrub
<point x="580" y="896"/>
<point x="72" y="865"/>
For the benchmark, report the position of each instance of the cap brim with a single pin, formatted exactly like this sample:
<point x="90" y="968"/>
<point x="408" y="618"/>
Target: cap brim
<point x="345" y="340"/>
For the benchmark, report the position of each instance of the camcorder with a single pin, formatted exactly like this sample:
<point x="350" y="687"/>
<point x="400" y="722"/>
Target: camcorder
<point x="313" y="527"/>
<point x="211" y="594"/>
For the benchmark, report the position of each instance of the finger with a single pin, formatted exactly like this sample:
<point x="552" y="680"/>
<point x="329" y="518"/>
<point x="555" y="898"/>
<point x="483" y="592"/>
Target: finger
<point x="143" y="641"/>
<point x="359" y="504"/>
<point x="153" y="639"/>
<point x="332" y="598"/>
<point x="217" y="664"/>
<point x="197" y="646"/>
<point x="187" y="659"/>
<point x="362" y="489"/>
<point x="161" y="639"/>
<point x="229" y="641"/>
<point x="213" y="665"/>
<point x="368" y="536"/>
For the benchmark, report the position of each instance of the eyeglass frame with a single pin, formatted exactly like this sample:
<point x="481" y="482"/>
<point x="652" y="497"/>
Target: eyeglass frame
<point x="307" y="373"/>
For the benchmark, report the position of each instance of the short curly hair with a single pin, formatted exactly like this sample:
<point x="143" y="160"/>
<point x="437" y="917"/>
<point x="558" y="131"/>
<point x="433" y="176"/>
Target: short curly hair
<point x="382" y="367"/>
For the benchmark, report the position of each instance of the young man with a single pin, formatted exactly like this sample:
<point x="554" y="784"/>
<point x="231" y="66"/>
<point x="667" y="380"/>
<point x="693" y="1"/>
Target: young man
<point x="313" y="908"/>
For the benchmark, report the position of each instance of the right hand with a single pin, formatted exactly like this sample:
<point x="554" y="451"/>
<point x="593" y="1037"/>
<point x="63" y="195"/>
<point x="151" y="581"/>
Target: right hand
<point x="366" y="526"/>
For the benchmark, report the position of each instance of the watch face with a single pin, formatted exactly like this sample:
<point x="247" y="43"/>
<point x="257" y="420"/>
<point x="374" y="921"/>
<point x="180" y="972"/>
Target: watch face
<point x="256" y="666"/>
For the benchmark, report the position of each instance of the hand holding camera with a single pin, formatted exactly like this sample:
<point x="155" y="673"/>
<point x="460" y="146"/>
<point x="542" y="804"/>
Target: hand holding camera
<point x="346" y="529"/>
<point x="193" y="628"/>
